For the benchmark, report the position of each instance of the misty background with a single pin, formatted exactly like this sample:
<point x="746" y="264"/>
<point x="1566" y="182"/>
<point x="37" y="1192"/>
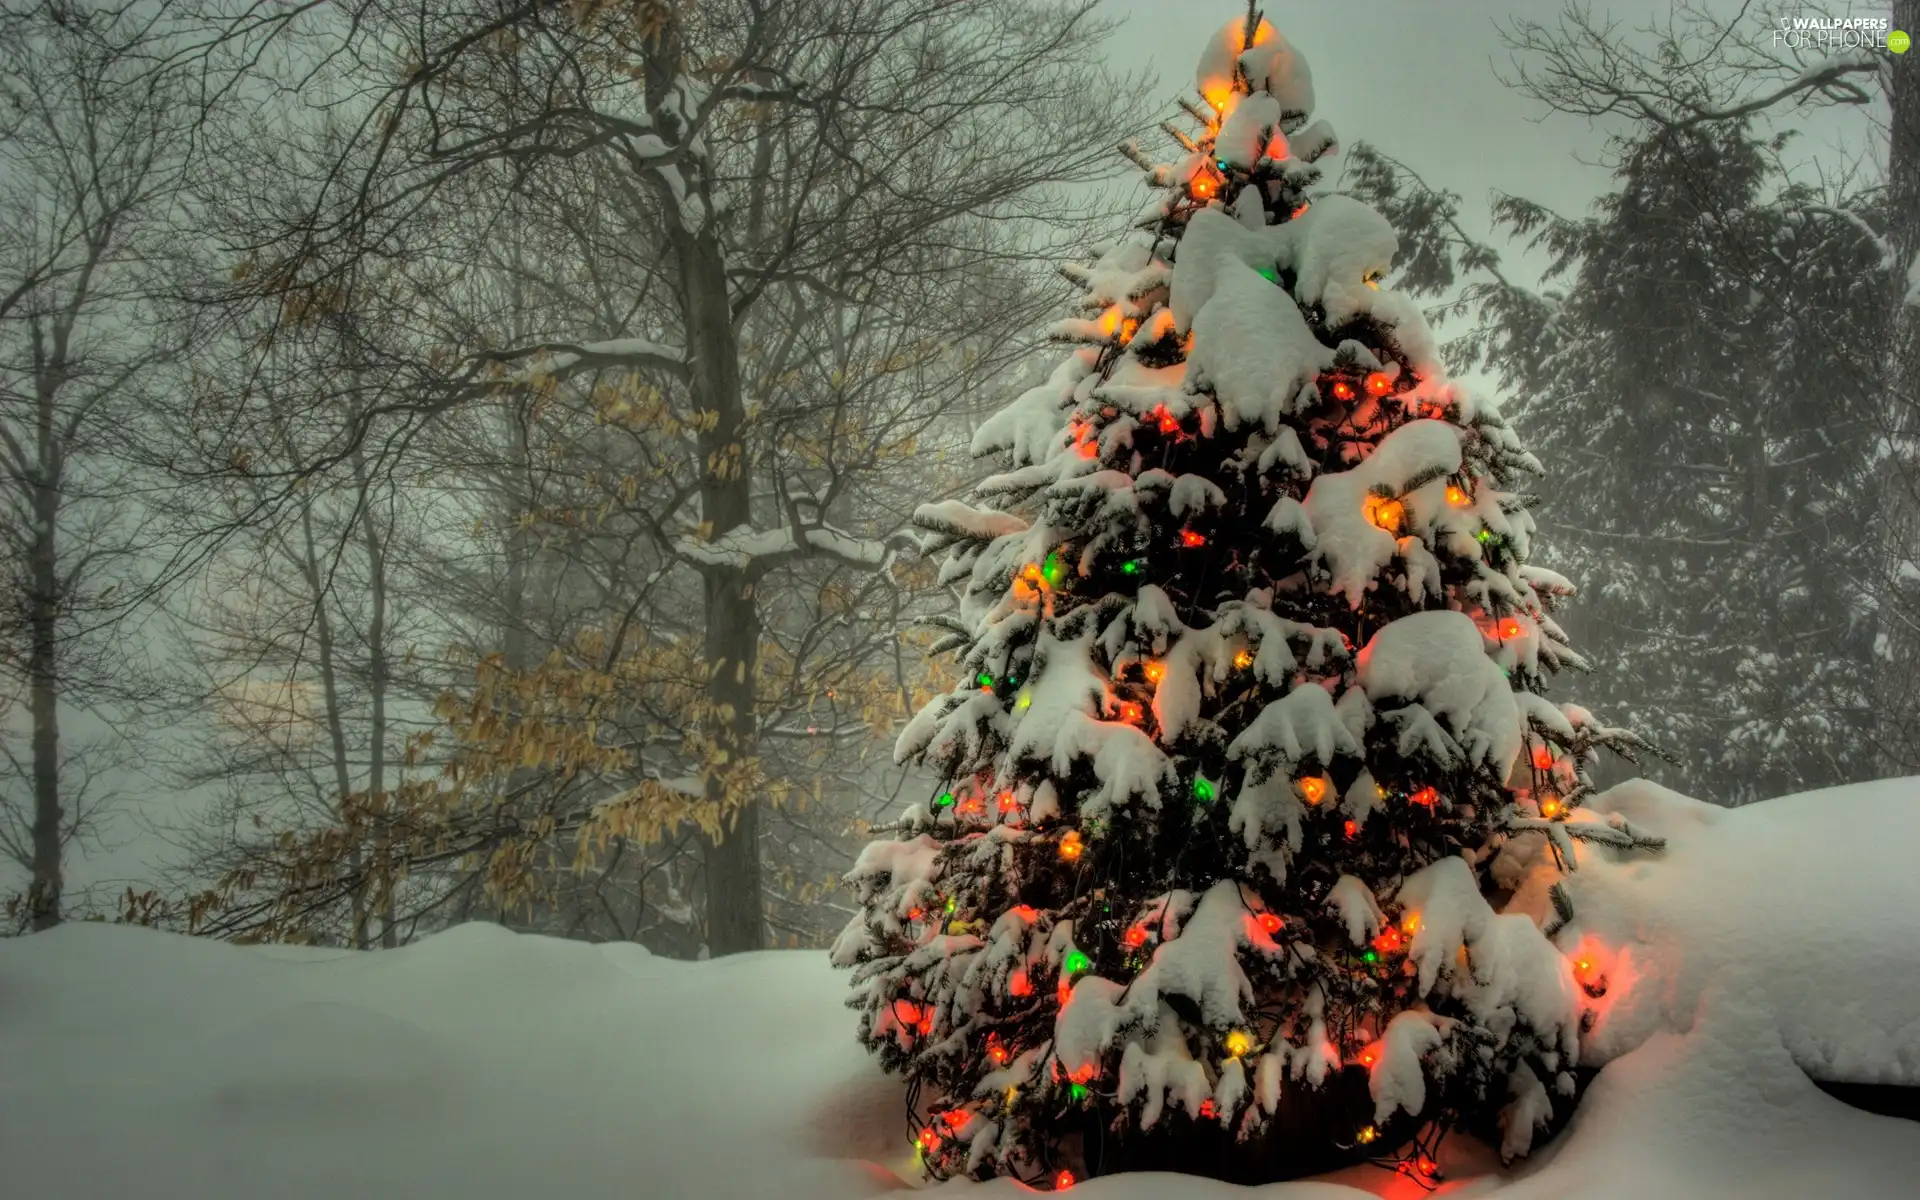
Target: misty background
<point x="382" y="598"/>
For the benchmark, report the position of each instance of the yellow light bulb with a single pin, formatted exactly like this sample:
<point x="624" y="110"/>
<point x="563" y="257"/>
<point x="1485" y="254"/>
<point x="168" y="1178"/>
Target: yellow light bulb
<point x="1238" y="1043"/>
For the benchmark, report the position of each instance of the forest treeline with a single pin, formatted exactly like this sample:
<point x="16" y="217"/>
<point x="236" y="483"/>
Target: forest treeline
<point x="464" y="449"/>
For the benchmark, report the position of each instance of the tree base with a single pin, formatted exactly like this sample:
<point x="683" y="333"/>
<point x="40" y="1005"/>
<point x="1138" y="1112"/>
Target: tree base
<point x="1311" y="1133"/>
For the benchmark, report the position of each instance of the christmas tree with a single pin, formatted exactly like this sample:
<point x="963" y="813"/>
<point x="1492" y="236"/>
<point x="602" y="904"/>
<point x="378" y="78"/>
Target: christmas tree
<point x="1250" y="721"/>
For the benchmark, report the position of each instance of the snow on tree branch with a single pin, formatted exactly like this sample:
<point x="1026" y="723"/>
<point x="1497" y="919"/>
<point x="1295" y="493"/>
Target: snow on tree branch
<point x="755" y="550"/>
<point x="563" y="360"/>
<point x="1889" y="257"/>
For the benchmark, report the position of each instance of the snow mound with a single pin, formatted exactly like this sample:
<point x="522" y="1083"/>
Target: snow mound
<point x="1800" y="913"/>
<point x="1765" y="945"/>
<point x="476" y="1064"/>
<point x="319" y="1058"/>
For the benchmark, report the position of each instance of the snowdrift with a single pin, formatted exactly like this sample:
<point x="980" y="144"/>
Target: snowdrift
<point x="1767" y="945"/>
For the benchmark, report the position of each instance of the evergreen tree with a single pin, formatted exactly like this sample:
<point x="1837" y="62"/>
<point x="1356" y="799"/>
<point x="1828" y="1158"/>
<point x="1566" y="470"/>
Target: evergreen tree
<point x="1710" y="398"/>
<point x="1704" y="385"/>
<point x="1251" y="714"/>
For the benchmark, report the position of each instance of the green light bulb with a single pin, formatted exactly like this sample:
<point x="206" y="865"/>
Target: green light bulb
<point x="1076" y="962"/>
<point x="1203" y="789"/>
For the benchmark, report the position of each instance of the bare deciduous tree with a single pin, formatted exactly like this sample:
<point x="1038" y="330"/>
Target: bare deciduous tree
<point x="91" y="158"/>
<point x="778" y="241"/>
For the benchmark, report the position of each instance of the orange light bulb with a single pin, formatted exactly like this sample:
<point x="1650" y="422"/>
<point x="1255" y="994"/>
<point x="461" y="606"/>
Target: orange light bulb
<point x="1313" y="788"/>
<point x="1386" y="513"/>
<point x="1378" y="383"/>
<point x="1155" y="672"/>
<point x="1457" y="496"/>
<point x="1342" y="390"/>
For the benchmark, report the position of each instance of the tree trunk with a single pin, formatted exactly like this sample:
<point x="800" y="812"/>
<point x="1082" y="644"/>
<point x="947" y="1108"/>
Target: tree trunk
<point x="44" y="705"/>
<point x="43" y="652"/>
<point x="377" y="670"/>
<point x="735" y="917"/>
<point x="335" y="717"/>
<point x="1899" y="733"/>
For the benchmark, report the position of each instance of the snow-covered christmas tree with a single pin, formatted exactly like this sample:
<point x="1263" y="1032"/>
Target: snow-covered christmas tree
<point x="1250" y="724"/>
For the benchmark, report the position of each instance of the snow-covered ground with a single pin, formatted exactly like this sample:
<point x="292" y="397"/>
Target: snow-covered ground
<point x="479" y="1064"/>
